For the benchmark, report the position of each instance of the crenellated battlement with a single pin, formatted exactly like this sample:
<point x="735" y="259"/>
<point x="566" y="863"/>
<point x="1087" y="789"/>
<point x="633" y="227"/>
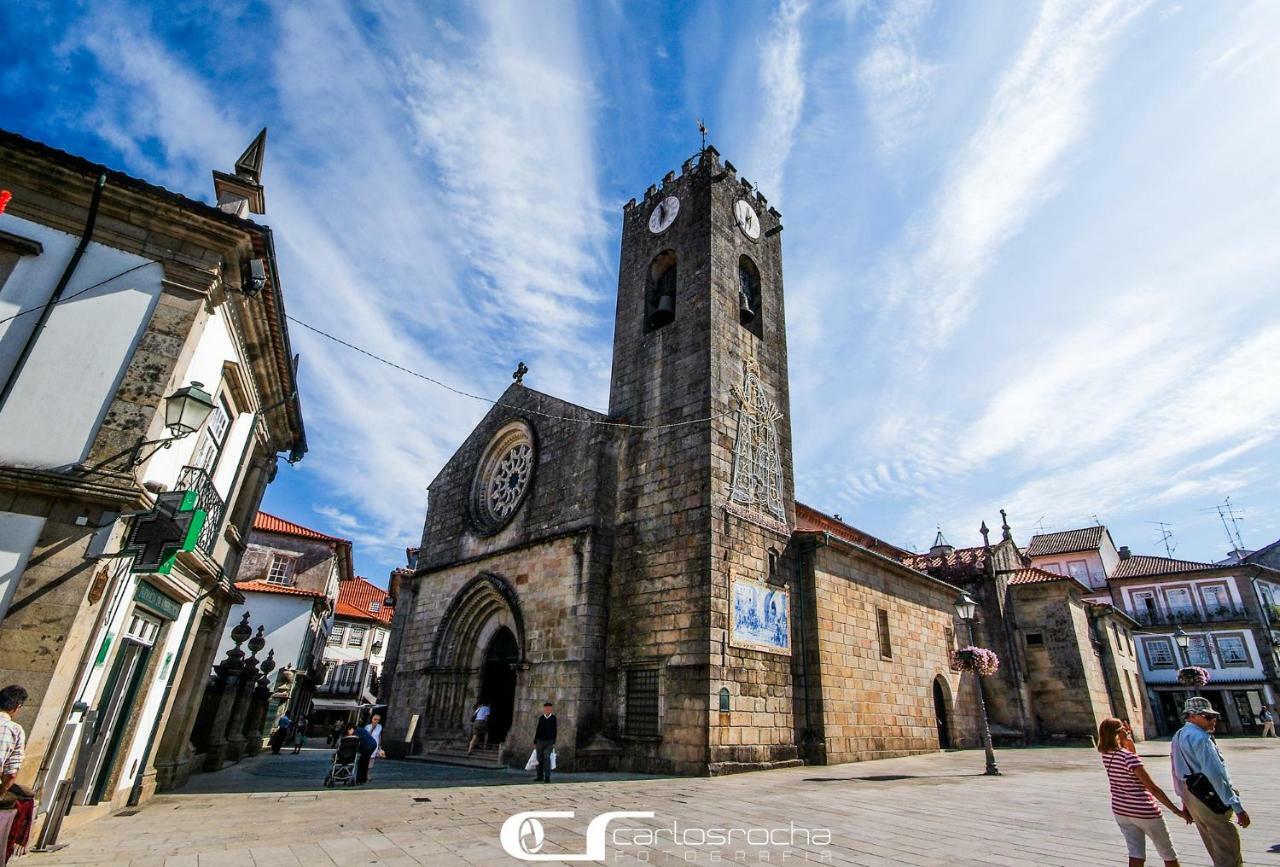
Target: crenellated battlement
<point x="706" y="161"/>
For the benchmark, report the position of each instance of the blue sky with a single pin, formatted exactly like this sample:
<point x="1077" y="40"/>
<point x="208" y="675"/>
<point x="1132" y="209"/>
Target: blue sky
<point x="1030" y="248"/>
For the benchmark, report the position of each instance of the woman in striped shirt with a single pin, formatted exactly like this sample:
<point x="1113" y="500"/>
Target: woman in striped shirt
<point x="1131" y="795"/>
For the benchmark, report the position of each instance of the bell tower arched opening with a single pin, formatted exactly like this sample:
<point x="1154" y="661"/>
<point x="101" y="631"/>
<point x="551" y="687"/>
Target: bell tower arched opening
<point x="498" y="682"/>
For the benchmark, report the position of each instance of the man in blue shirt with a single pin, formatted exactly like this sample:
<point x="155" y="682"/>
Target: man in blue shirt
<point x="1194" y="751"/>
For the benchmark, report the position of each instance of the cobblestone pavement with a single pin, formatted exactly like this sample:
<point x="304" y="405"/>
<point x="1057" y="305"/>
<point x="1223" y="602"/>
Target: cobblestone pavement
<point x="1050" y="807"/>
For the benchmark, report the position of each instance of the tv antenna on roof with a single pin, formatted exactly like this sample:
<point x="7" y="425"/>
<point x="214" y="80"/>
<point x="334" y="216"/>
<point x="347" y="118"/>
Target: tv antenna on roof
<point x="1040" y="524"/>
<point x="1230" y="518"/>
<point x="1166" y="536"/>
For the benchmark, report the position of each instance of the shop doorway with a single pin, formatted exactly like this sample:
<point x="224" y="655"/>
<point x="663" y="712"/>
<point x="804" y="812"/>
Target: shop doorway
<point x="940" y="713"/>
<point x="115" y="708"/>
<point x="498" y="683"/>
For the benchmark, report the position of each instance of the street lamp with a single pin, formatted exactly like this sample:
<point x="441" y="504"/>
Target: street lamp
<point x="1181" y="639"/>
<point x="966" y="610"/>
<point x="185" y="412"/>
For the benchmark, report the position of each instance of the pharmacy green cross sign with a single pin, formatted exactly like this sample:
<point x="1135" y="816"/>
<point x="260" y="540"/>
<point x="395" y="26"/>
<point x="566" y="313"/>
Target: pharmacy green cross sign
<point x="157" y="537"/>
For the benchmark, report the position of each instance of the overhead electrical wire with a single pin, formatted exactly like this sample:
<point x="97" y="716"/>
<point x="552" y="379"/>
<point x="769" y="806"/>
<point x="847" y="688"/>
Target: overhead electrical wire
<point x="458" y="391"/>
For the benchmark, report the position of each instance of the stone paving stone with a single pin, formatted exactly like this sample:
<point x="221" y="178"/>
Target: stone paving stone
<point x="1049" y="808"/>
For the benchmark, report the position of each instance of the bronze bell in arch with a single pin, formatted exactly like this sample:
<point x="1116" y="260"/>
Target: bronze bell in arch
<point x="666" y="311"/>
<point x="745" y="313"/>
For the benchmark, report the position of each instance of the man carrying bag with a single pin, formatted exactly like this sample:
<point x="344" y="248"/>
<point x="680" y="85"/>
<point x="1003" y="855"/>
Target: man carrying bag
<point x="1200" y="778"/>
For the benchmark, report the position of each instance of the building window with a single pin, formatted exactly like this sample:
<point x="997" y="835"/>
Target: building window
<point x="1035" y="639"/>
<point x="642" y="702"/>
<point x="1215" y="598"/>
<point x="335" y="637"/>
<point x="1115" y="637"/>
<point x="950" y="636"/>
<point x="1159" y="653"/>
<point x="1055" y="568"/>
<point x="214" y="438"/>
<point x="1144" y="605"/>
<point x="375" y="606"/>
<point x="356" y="637"/>
<point x="882" y="630"/>
<point x="1128" y="681"/>
<point x="1232" y="650"/>
<point x="1079" y="570"/>
<point x="281" y="569"/>
<point x="1179" y="601"/>
<point x="1198" y="652"/>
<point x="347" y="675"/>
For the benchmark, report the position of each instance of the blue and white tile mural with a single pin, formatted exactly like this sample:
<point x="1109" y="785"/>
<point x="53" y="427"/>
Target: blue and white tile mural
<point x="761" y="617"/>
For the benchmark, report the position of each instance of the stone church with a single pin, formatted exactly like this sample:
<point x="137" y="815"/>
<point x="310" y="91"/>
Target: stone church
<point x="649" y="570"/>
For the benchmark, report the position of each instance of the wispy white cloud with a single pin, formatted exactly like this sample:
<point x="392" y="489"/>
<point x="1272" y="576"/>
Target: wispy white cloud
<point x="1012" y="163"/>
<point x="894" y="79"/>
<point x="782" y="90"/>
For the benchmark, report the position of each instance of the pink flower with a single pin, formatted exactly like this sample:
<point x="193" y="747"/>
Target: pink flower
<point x="979" y="660"/>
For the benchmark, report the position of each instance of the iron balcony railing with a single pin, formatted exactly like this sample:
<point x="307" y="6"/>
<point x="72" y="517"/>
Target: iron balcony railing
<point x="1220" y="614"/>
<point x="208" y="499"/>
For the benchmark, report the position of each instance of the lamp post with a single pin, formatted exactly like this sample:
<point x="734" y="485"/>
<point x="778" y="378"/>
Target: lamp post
<point x="1181" y="639"/>
<point x="967" y="609"/>
<point x="185" y="411"/>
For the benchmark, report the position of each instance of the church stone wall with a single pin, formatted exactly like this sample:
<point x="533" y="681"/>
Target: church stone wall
<point x="872" y="707"/>
<point x="558" y="584"/>
<point x="1064" y="674"/>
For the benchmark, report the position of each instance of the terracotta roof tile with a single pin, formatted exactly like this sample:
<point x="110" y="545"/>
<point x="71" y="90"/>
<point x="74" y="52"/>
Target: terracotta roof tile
<point x="1142" y="565"/>
<point x="1040" y="576"/>
<point x="267" y="587"/>
<point x="360" y="600"/>
<point x="271" y="524"/>
<point x="1065" y="542"/>
<point x="810" y="520"/>
<point x="960" y="563"/>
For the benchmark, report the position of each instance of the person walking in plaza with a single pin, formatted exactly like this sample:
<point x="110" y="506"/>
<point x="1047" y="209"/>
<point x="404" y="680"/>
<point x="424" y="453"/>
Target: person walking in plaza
<point x="16" y="803"/>
<point x="278" y="737"/>
<point x="1134" y="795"/>
<point x="544" y="742"/>
<point x="299" y="734"/>
<point x="1200" y="778"/>
<point x="479" y="726"/>
<point x="1268" y="719"/>
<point x="368" y="746"/>
<point x="335" y="733"/>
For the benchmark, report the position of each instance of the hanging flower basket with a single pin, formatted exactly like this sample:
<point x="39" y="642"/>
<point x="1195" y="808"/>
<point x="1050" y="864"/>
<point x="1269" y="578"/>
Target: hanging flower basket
<point x="1193" y="675"/>
<point x="979" y="660"/>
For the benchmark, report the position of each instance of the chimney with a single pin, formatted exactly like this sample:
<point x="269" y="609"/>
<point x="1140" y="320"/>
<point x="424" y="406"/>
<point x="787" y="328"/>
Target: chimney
<point x="1125" y="553"/>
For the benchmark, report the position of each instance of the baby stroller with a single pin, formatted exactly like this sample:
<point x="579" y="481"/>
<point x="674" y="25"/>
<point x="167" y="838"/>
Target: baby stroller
<point x="344" y="763"/>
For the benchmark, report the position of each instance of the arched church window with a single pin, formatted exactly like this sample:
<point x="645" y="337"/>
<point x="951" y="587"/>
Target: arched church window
<point x="503" y="476"/>
<point x="749" y="313"/>
<point x="660" y="291"/>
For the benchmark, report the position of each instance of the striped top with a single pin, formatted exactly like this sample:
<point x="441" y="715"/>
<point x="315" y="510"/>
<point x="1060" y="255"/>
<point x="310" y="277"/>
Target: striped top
<point x="1128" y="797"/>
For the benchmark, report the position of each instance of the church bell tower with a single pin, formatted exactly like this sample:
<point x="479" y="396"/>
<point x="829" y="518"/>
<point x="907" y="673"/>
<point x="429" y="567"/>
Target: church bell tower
<point x="700" y="624"/>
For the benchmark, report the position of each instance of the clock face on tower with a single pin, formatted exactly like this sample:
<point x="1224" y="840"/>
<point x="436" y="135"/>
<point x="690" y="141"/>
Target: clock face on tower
<point x="747" y="220"/>
<point x="664" y="215"/>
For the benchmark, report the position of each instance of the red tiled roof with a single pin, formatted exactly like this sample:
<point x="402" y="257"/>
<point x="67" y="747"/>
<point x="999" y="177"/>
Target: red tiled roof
<point x="271" y="524"/>
<point x="1142" y="565"/>
<point x="267" y="587"/>
<point x="1040" y="576"/>
<point x="357" y="598"/>
<point x="1065" y="542"/>
<point x="959" y="563"/>
<point x="810" y="520"/>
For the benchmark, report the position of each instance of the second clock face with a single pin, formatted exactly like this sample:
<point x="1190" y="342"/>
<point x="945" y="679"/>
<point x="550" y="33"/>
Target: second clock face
<point x="664" y="215"/>
<point x="747" y="220"/>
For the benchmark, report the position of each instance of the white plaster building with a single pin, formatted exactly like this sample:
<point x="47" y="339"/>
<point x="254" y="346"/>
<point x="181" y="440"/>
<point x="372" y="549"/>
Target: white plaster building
<point x="355" y="654"/>
<point x="116" y="294"/>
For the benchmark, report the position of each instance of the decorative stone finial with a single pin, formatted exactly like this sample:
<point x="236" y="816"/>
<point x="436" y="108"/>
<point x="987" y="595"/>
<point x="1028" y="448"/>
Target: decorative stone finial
<point x="1005" y="525"/>
<point x="986" y="535"/>
<point x="258" y="641"/>
<point x="521" y="370"/>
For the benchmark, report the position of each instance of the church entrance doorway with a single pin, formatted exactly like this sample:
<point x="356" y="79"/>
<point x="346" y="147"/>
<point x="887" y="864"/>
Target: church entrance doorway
<point x="498" y="683"/>
<point x="940" y="712"/>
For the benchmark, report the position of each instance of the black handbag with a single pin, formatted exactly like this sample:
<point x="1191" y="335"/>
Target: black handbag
<point x="1199" y="785"/>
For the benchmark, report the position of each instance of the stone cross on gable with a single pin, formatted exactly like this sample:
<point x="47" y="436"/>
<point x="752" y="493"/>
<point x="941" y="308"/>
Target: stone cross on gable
<point x="157" y="536"/>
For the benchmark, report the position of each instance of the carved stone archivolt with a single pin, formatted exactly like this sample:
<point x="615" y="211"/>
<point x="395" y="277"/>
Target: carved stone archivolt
<point x="756" y="486"/>
<point x="503" y="477"/>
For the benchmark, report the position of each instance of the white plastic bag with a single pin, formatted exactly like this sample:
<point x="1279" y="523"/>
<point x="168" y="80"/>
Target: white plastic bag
<point x="532" y="764"/>
<point x="553" y="760"/>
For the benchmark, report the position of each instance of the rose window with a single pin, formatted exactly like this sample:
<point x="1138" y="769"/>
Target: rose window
<point x="503" y="477"/>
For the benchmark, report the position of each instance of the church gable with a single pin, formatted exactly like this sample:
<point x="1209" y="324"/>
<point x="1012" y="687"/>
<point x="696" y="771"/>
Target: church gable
<point x="534" y="466"/>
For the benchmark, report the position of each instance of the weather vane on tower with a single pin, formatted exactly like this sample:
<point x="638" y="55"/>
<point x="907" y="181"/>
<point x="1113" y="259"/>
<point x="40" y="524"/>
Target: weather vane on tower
<point x="702" y="129"/>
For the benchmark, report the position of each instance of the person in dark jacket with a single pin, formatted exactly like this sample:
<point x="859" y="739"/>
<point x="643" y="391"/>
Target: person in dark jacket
<point x="544" y="741"/>
<point x="368" y="746"/>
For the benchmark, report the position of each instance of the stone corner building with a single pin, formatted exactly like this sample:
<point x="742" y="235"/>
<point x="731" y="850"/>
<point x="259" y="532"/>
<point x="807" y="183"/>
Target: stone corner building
<point x="115" y="295"/>
<point x="649" y="570"/>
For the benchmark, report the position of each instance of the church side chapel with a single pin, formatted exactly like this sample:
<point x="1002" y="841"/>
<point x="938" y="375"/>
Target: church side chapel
<point x="649" y="571"/>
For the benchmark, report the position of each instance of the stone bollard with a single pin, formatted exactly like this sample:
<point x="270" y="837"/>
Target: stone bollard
<point x="256" y="717"/>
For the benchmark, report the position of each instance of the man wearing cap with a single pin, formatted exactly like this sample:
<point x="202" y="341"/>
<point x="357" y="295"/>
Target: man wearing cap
<point x="1198" y="768"/>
